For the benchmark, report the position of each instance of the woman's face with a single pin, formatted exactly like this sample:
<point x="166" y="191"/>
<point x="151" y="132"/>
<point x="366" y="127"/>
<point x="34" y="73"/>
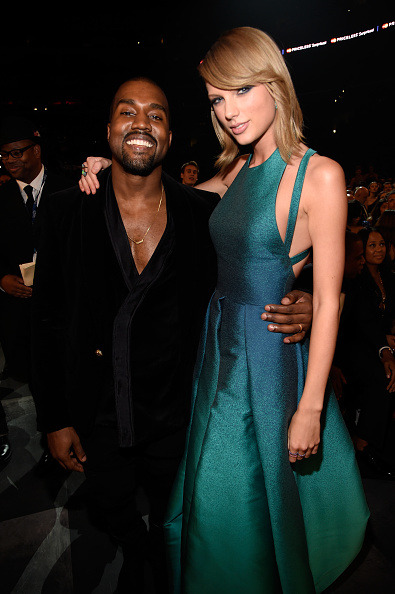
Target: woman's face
<point x="375" y="249"/>
<point x="374" y="187"/>
<point x="247" y="113"/>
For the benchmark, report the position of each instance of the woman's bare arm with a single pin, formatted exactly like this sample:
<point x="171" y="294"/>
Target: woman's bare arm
<point x="218" y="184"/>
<point x="326" y="207"/>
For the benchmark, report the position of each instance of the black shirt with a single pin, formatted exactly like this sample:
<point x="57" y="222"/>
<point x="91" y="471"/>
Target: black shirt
<point x="143" y="395"/>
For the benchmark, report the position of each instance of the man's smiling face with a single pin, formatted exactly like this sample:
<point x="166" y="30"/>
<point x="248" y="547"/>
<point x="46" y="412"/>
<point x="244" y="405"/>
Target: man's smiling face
<point x="138" y="133"/>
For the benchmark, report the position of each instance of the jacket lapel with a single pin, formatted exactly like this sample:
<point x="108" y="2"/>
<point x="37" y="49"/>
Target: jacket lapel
<point x="101" y="274"/>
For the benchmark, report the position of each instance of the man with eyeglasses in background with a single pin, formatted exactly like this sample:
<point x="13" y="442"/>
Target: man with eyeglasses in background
<point x="20" y="199"/>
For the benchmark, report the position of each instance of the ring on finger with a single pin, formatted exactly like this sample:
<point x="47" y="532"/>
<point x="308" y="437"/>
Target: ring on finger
<point x="294" y="455"/>
<point x="301" y="328"/>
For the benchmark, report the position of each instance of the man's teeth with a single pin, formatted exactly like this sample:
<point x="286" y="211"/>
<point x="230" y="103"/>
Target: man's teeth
<point x="139" y="142"/>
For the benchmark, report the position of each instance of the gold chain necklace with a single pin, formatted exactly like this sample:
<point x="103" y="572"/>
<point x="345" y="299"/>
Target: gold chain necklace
<point x="146" y="233"/>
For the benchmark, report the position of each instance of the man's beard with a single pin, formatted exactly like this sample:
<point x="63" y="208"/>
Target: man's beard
<point x="138" y="164"/>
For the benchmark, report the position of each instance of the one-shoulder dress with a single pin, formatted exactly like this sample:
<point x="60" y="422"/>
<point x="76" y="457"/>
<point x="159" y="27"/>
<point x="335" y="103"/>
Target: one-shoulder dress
<point x="242" y="519"/>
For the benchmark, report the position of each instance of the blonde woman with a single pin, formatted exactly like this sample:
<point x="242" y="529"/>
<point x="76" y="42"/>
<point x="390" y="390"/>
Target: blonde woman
<point x="268" y="498"/>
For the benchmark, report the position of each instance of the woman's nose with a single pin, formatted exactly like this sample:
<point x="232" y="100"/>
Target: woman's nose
<point x="231" y="109"/>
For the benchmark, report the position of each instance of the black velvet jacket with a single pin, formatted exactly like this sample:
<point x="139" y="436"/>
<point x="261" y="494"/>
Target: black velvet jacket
<point x="80" y="292"/>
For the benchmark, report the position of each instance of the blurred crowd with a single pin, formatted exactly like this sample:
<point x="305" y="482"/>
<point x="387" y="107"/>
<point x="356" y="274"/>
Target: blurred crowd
<point x="363" y="371"/>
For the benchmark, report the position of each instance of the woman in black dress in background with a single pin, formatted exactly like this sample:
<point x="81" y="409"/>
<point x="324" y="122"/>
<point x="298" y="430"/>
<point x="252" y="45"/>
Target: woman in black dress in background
<point x="368" y="361"/>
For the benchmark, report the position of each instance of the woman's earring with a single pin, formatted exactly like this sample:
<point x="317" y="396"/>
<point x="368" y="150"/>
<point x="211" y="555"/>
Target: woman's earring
<point x="275" y="104"/>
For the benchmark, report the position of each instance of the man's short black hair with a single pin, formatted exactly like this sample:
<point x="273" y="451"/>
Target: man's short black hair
<point x="135" y="79"/>
<point x="189" y="163"/>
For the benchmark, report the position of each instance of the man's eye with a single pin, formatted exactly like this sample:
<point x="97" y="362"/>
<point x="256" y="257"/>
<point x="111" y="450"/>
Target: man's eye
<point x="127" y="113"/>
<point x="154" y="116"/>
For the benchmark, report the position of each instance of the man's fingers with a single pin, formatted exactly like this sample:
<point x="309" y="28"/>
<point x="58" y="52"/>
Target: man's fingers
<point x="72" y="464"/>
<point x="68" y="462"/>
<point x="79" y="452"/>
<point x="289" y="298"/>
<point x="294" y="296"/>
<point x="284" y="318"/>
<point x="64" y="445"/>
<point x="294" y="338"/>
<point x="391" y="385"/>
<point x="287" y="328"/>
<point x="292" y="308"/>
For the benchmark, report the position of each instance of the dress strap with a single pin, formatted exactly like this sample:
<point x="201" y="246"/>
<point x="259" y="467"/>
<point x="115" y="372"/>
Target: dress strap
<point x="294" y="206"/>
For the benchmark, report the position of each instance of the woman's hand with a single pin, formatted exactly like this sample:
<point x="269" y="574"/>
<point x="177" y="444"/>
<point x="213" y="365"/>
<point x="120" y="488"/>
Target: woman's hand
<point x="89" y="182"/>
<point x="303" y="434"/>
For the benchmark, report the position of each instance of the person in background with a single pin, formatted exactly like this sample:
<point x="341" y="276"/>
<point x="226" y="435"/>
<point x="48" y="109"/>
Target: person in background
<point x="358" y="178"/>
<point x="189" y="173"/>
<point x="391" y="200"/>
<point x="21" y="200"/>
<point x="366" y="358"/>
<point x="354" y="263"/>
<point x="356" y="211"/>
<point x="372" y="197"/>
<point x="386" y="226"/>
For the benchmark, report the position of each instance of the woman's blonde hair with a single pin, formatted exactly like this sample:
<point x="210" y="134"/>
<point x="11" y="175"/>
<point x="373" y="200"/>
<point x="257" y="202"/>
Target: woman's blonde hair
<point x="248" y="56"/>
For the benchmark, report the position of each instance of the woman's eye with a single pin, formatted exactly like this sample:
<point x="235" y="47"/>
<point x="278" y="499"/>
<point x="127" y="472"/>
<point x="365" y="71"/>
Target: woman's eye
<point x="244" y="90"/>
<point x="215" y="101"/>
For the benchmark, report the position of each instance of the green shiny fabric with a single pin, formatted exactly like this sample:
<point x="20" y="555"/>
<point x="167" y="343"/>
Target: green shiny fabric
<point x="241" y="518"/>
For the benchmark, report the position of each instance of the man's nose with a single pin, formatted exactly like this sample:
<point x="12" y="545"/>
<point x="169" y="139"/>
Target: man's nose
<point x="141" y="121"/>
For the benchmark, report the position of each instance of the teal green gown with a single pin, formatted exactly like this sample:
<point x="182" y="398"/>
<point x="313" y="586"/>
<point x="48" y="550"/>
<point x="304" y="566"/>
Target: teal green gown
<point x="242" y="519"/>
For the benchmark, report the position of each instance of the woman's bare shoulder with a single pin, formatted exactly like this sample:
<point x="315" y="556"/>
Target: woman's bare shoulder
<point x="324" y="181"/>
<point x="221" y="182"/>
<point x="323" y="169"/>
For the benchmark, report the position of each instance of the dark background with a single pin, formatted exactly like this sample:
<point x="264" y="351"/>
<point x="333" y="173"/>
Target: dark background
<point x="61" y="69"/>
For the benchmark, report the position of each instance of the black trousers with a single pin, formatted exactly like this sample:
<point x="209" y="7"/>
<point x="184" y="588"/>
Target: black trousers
<point x="113" y="476"/>
<point x="15" y="334"/>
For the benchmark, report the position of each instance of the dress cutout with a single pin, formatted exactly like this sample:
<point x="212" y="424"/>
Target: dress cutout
<point x="242" y="519"/>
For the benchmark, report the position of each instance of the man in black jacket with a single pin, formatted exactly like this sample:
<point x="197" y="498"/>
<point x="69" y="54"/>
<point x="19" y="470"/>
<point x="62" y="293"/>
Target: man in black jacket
<point x="20" y="207"/>
<point x="21" y="201"/>
<point x="123" y="279"/>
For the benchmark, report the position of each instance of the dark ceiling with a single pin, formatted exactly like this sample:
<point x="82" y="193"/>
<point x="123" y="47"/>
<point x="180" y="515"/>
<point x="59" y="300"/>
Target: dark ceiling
<point x="62" y="70"/>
